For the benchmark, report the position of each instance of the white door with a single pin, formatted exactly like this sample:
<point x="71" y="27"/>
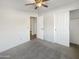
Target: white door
<point x="49" y="27"/>
<point x="62" y="28"/>
<point x="40" y="27"/>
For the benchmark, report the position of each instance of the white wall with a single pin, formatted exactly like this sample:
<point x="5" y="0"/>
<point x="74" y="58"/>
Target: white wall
<point x="14" y="27"/>
<point x="14" y="24"/>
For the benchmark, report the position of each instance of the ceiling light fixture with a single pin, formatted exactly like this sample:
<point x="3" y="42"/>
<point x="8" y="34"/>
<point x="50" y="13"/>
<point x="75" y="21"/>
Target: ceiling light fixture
<point x="39" y="4"/>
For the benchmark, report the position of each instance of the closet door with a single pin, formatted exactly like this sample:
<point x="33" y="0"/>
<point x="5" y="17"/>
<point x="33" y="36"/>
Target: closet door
<point x="49" y="27"/>
<point x="62" y="28"/>
<point x="40" y="27"/>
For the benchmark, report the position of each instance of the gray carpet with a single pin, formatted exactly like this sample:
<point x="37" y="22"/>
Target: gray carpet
<point x="33" y="50"/>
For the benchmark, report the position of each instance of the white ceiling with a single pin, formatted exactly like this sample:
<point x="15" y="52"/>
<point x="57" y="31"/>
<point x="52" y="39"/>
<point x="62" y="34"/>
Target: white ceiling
<point x="56" y="3"/>
<point x="20" y="4"/>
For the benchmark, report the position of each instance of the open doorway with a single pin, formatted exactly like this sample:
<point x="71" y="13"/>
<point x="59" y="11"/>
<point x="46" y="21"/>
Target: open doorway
<point x="33" y="28"/>
<point x="74" y="27"/>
